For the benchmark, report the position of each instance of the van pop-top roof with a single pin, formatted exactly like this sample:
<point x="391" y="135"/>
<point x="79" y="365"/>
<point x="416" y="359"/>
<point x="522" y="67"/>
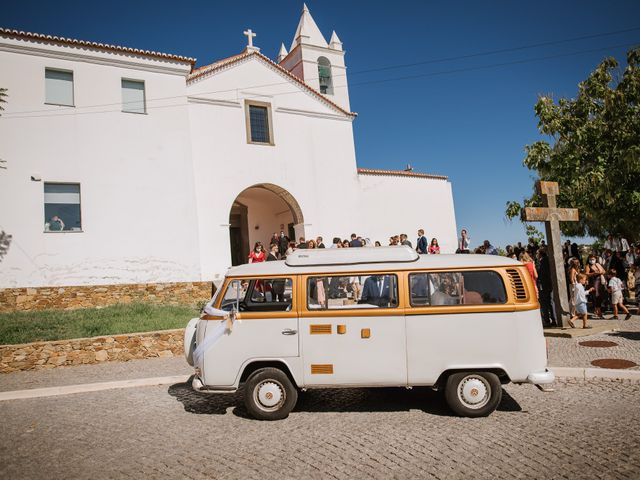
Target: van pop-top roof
<point x="335" y="260"/>
<point x="350" y="256"/>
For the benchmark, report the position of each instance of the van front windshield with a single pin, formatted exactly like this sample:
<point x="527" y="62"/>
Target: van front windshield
<point x="235" y="293"/>
<point x="258" y="295"/>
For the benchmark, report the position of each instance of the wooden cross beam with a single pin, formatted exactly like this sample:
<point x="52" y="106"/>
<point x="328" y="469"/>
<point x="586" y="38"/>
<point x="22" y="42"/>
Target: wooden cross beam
<point x="551" y="215"/>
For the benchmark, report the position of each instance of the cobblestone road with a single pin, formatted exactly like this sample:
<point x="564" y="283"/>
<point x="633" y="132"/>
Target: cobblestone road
<point x="582" y="430"/>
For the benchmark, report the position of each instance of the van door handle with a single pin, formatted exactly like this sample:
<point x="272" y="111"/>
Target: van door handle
<point x="288" y="331"/>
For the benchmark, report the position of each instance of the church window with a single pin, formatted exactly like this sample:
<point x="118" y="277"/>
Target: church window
<point x="58" y="87"/>
<point x="62" y="207"/>
<point x="324" y="76"/>
<point x="133" y="100"/>
<point x="259" y="124"/>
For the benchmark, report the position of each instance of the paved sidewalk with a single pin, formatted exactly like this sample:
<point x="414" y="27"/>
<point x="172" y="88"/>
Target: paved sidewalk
<point x="567" y="352"/>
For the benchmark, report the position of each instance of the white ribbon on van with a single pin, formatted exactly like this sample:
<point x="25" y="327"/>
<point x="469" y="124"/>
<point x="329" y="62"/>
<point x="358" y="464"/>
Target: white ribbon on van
<point x="225" y="326"/>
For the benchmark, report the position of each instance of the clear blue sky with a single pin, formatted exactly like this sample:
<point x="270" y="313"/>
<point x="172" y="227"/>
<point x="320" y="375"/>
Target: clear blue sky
<point x="470" y="125"/>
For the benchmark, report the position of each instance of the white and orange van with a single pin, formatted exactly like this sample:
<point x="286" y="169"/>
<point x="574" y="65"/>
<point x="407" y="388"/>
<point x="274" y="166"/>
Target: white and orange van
<point x="370" y="317"/>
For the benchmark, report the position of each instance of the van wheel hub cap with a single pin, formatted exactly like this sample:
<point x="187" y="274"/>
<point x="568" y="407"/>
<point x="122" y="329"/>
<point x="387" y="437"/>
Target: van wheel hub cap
<point x="269" y="395"/>
<point x="474" y="391"/>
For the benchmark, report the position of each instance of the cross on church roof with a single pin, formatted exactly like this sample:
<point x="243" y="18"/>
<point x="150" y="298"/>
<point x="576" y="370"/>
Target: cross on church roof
<point x="249" y="34"/>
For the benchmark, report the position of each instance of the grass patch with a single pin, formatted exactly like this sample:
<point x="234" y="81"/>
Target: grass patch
<point x="24" y="327"/>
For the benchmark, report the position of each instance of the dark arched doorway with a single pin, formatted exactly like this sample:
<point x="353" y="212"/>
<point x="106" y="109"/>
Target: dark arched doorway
<point x="258" y="212"/>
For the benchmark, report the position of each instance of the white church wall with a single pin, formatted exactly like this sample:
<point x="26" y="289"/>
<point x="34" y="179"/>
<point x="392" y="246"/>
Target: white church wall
<point x="134" y="171"/>
<point x="393" y="204"/>
<point x="312" y="157"/>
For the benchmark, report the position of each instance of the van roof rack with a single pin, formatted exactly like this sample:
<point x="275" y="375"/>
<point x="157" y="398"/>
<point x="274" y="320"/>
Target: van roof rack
<point x="351" y="256"/>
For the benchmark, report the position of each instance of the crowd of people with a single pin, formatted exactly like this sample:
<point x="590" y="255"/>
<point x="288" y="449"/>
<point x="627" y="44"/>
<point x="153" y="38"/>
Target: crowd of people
<point x="280" y="245"/>
<point x="600" y="277"/>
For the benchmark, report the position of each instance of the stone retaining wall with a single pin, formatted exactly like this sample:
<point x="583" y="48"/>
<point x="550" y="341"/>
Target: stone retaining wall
<point x="81" y="351"/>
<point x="87" y="296"/>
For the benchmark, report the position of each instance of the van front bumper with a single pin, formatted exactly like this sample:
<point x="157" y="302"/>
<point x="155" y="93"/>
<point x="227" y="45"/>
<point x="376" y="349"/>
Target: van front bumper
<point x="541" y="378"/>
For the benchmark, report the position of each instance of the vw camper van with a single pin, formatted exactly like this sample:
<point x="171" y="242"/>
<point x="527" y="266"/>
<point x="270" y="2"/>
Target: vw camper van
<point x="370" y="317"/>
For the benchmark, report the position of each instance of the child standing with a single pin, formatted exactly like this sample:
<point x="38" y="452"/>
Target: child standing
<point x="580" y="301"/>
<point x="615" y="288"/>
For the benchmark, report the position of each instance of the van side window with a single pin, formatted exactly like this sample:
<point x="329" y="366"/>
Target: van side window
<point x="259" y="295"/>
<point x="456" y="288"/>
<point x="347" y="292"/>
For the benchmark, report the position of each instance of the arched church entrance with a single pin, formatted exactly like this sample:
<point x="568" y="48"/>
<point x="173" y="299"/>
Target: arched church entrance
<point x="258" y="212"/>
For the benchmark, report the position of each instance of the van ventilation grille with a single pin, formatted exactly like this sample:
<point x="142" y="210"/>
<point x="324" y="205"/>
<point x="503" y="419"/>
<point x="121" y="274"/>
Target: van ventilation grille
<point x="517" y="285"/>
<point x="324" y="329"/>
<point x="322" y="369"/>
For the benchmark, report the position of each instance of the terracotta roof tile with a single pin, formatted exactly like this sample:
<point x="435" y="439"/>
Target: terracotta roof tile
<point x="199" y="72"/>
<point x="399" y="173"/>
<point x="99" y="46"/>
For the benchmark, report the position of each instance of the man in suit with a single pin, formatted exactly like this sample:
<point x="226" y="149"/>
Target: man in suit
<point x="354" y="243"/>
<point x="273" y="254"/>
<point x="422" y="244"/>
<point x="545" y="289"/>
<point x="319" y="243"/>
<point x="283" y="243"/>
<point x="377" y="291"/>
<point x="404" y="240"/>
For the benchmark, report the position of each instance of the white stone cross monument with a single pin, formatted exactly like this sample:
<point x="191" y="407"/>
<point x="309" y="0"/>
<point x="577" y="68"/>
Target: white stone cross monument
<point x="552" y="216"/>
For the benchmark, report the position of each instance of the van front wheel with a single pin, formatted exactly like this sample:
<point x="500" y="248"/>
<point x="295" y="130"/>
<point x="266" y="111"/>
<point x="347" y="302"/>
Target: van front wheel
<point x="471" y="394"/>
<point x="269" y="394"/>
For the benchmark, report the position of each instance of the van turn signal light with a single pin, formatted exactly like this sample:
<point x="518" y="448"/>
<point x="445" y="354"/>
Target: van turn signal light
<point x="342" y="329"/>
<point x="365" y="333"/>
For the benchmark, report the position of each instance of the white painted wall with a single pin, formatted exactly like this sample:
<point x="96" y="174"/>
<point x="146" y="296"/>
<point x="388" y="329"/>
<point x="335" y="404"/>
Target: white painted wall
<point x="393" y="205"/>
<point x="137" y="196"/>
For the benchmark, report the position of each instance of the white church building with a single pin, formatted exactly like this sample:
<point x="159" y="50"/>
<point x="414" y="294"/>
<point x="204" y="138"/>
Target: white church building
<point x="130" y="166"/>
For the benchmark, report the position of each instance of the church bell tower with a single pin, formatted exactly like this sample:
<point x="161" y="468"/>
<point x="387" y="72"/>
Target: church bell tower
<point x="318" y="63"/>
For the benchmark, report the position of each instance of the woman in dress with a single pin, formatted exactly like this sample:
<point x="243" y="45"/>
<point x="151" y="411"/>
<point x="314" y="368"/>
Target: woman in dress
<point x="434" y="247"/>
<point x="257" y="254"/>
<point x="595" y="273"/>
<point x="574" y="270"/>
<point x="531" y="267"/>
<point x="311" y="244"/>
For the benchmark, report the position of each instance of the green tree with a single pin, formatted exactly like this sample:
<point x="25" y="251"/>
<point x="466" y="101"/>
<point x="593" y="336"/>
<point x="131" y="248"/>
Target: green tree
<point x="593" y="151"/>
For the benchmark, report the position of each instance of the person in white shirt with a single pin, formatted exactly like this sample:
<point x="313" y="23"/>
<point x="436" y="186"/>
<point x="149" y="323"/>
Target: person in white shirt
<point x="463" y="242"/>
<point x="617" y="301"/>
<point x="580" y="301"/>
<point x="612" y="243"/>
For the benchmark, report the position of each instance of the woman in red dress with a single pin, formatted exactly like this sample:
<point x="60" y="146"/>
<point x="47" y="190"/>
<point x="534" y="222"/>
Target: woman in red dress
<point x="434" y="248"/>
<point x="528" y="262"/>
<point x="257" y="254"/>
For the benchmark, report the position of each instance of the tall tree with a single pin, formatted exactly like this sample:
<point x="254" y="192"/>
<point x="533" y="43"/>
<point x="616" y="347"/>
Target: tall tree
<point x="593" y="151"/>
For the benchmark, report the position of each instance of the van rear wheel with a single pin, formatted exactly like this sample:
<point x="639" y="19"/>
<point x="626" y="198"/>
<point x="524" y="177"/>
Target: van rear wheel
<point x="473" y="394"/>
<point x="269" y="394"/>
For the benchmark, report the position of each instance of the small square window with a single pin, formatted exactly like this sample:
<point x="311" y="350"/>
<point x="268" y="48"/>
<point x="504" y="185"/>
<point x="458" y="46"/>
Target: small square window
<point x="58" y="87"/>
<point x="133" y="99"/>
<point x="62" y="207"/>
<point x="259" y="127"/>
